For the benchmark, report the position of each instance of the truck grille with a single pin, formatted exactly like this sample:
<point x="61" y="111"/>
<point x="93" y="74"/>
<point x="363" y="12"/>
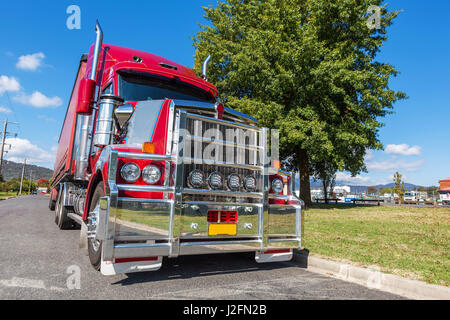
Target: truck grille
<point x="217" y="146"/>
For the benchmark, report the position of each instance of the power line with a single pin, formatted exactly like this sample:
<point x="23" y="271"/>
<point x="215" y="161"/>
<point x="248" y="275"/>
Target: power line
<point x="5" y="133"/>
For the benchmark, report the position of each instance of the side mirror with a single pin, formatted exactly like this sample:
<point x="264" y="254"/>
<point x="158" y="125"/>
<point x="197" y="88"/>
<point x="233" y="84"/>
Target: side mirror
<point x="123" y="113"/>
<point x="86" y="92"/>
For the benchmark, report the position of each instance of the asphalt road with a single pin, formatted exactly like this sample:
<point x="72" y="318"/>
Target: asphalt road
<point x="35" y="257"/>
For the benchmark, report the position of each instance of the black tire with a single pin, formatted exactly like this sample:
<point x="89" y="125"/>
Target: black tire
<point x="51" y="204"/>
<point x="61" y="219"/>
<point x="95" y="246"/>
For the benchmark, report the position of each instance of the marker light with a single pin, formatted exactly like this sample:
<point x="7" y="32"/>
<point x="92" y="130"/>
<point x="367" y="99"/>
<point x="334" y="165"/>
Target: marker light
<point x="148" y="147"/>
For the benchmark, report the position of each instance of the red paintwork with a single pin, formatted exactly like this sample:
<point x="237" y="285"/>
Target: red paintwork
<point x="141" y="164"/>
<point x="159" y="138"/>
<point x="124" y="260"/>
<point x="112" y="59"/>
<point x="65" y="144"/>
<point x="85" y="96"/>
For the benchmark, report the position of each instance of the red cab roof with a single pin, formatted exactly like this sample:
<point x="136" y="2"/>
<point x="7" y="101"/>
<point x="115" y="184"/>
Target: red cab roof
<point x="124" y="58"/>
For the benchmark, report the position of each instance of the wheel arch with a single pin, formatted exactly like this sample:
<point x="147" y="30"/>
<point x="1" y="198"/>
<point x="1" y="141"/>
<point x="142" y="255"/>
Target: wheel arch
<point x="96" y="178"/>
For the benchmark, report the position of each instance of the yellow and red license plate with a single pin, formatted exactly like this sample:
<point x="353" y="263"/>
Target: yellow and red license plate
<point x="222" y="229"/>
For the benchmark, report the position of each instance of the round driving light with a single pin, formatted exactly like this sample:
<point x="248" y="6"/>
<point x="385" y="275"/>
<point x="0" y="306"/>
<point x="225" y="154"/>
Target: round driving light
<point x="215" y="180"/>
<point x="234" y="182"/>
<point x="250" y="183"/>
<point x="196" y="179"/>
<point x="277" y="185"/>
<point x="130" y="172"/>
<point x="151" y="174"/>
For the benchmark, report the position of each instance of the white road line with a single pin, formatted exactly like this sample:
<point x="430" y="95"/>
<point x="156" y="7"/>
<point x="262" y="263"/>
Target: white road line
<point x="16" y="282"/>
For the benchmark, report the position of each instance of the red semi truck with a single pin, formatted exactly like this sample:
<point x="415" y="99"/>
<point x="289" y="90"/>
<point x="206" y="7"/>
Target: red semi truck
<point x="151" y="166"/>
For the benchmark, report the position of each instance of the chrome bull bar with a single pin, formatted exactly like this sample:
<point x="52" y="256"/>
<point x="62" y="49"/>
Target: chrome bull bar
<point x="135" y="227"/>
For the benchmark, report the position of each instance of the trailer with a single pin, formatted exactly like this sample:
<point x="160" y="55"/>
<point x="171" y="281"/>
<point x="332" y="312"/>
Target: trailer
<point x="152" y="166"/>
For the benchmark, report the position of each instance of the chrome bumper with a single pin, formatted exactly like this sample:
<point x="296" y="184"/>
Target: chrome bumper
<point x="132" y="228"/>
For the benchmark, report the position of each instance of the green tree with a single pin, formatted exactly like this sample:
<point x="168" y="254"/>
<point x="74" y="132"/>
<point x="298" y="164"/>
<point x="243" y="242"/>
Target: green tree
<point x="326" y="173"/>
<point x="307" y="68"/>
<point x="399" y="186"/>
<point x="386" y="190"/>
<point x="372" y="190"/>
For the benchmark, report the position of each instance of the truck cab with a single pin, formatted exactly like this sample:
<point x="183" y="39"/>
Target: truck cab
<point x="151" y="165"/>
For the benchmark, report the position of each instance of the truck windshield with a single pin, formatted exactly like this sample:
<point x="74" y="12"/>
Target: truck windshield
<point x="142" y="86"/>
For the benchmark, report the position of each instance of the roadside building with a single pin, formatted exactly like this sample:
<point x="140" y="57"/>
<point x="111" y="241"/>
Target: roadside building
<point x="444" y="191"/>
<point x="42" y="190"/>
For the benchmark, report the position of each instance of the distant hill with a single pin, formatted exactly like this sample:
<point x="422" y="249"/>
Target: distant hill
<point x="14" y="170"/>
<point x="361" y="189"/>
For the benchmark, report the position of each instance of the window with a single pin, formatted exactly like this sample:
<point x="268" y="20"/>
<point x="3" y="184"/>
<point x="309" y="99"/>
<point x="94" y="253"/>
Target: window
<point x="108" y="89"/>
<point x="141" y="86"/>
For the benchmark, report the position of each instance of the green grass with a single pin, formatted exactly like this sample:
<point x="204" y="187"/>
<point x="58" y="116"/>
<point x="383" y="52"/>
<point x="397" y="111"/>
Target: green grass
<point x="4" y="195"/>
<point x="410" y="242"/>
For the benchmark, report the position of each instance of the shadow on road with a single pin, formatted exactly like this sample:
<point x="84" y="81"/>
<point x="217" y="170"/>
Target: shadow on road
<point x="187" y="267"/>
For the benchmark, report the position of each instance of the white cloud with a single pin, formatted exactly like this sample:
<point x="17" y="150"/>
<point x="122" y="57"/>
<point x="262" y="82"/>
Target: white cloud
<point x="46" y="119"/>
<point x="397" y="165"/>
<point x="38" y="100"/>
<point x="4" y="110"/>
<point x="346" y="178"/>
<point x="23" y="149"/>
<point x="369" y="155"/>
<point x="403" y="149"/>
<point x="8" y="84"/>
<point x="30" y="62"/>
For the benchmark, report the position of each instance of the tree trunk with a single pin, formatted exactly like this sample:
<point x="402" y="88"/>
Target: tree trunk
<point x="303" y="167"/>
<point x="325" y="190"/>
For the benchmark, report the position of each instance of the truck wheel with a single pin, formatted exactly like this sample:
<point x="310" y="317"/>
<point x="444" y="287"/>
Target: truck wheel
<point x="95" y="246"/>
<point x="61" y="219"/>
<point x="51" y="204"/>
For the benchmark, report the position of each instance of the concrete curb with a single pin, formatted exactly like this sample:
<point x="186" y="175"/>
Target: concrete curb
<point x="372" y="278"/>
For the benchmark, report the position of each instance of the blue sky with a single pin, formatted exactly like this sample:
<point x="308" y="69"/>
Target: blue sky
<point x="39" y="57"/>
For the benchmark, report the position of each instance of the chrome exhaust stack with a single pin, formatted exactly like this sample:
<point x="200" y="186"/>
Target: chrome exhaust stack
<point x="205" y="68"/>
<point x="86" y="121"/>
<point x="97" y="49"/>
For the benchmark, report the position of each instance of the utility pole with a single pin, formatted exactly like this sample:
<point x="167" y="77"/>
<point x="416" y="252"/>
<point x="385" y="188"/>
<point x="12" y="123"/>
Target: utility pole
<point x="4" y="134"/>
<point x="29" y="185"/>
<point x="21" y="180"/>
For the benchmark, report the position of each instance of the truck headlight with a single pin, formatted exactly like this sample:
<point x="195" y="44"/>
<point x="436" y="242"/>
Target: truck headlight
<point x="234" y="182"/>
<point x="215" y="180"/>
<point x="151" y="174"/>
<point x="196" y="179"/>
<point x="130" y="172"/>
<point x="250" y="183"/>
<point x="277" y="185"/>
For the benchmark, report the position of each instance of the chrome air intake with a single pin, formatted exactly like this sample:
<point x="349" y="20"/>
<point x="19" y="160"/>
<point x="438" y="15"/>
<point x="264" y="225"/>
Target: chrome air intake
<point x="104" y="124"/>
